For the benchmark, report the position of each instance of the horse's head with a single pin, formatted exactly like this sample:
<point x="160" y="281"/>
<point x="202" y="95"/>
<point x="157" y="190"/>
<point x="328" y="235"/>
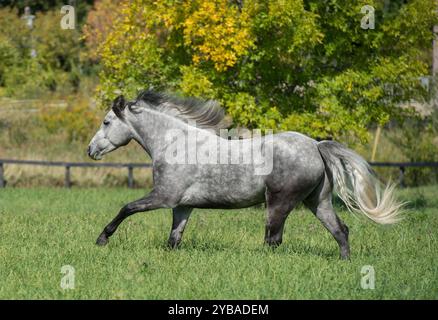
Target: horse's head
<point x="113" y="133"/>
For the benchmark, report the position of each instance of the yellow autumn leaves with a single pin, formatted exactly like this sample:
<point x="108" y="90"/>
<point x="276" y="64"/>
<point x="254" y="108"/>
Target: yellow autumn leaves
<point x="214" y="31"/>
<point x="217" y="32"/>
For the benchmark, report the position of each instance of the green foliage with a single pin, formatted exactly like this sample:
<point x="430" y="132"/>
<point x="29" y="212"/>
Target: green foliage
<point x="56" y="66"/>
<point x="78" y="120"/>
<point x="13" y="36"/>
<point x="8" y="55"/>
<point x="81" y="6"/>
<point x="290" y="65"/>
<point x="417" y="139"/>
<point x="99" y="22"/>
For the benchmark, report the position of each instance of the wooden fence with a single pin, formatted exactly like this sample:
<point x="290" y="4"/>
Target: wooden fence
<point x="69" y="165"/>
<point x="130" y="166"/>
<point x="402" y="167"/>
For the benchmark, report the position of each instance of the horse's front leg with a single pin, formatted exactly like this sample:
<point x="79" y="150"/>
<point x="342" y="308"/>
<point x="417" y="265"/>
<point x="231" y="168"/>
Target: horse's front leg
<point x="150" y="202"/>
<point x="180" y="217"/>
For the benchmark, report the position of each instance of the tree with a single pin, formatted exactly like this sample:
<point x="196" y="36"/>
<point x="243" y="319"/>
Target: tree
<point x="99" y="23"/>
<point x="34" y="61"/>
<point x="297" y="65"/>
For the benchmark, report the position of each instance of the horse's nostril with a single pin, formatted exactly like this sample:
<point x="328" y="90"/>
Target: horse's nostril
<point x="88" y="150"/>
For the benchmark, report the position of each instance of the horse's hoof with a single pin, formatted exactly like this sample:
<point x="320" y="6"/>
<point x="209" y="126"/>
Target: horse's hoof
<point x="102" y="240"/>
<point x="171" y="244"/>
<point x="273" y="243"/>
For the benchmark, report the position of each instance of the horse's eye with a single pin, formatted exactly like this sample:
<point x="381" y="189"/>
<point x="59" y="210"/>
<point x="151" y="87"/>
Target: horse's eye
<point x="106" y="122"/>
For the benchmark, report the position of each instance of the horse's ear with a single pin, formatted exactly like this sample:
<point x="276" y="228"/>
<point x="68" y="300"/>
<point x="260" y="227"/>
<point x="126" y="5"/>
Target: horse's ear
<point x="119" y="105"/>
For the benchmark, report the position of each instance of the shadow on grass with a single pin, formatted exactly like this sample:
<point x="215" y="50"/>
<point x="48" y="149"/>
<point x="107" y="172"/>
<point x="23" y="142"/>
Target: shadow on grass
<point x="302" y="249"/>
<point x="200" y="245"/>
<point x="416" y="202"/>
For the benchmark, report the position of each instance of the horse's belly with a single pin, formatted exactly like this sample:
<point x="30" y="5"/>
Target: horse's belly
<point x="200" y="195"/>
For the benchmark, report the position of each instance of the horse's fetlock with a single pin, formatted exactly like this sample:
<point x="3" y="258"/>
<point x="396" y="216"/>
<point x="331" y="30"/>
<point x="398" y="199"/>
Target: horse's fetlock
<point x="107" y="231"/>
<point x="346" y="229"/>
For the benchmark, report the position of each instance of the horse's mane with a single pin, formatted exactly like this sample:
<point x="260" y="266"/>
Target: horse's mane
<point x="207" y="114"/>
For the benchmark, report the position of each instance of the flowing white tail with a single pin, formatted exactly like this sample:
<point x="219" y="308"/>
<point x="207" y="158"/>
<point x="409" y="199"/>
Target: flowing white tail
<point x="357" y="186"/>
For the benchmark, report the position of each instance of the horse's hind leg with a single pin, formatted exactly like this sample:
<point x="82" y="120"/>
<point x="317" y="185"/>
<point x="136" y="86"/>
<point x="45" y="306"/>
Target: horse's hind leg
<point x="180" y="217"/>
<point x="279" y="207"/>
<point x="320" y="203"/>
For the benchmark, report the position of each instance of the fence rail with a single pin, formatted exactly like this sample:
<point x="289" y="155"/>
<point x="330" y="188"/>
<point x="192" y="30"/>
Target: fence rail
<point x="130" y="166"/>
<point x="402" y="166"/>
<point x="69" y="165"/>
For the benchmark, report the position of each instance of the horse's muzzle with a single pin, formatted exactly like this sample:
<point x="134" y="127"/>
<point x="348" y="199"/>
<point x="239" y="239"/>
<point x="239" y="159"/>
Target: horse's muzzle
<point x="93" y="154"/>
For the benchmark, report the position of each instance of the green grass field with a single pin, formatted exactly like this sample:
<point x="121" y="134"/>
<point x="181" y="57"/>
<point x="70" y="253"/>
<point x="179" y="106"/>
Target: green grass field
<point x="222" y="255"/>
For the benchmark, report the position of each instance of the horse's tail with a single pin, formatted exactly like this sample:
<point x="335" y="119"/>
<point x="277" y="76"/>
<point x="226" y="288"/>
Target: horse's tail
<point x="357" y="186"/>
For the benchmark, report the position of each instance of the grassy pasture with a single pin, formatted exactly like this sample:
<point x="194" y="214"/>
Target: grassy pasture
<point x="222" y="255"/>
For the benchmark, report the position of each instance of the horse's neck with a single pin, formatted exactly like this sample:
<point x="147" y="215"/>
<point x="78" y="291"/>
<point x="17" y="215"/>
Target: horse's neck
<point x="150" y="129"/>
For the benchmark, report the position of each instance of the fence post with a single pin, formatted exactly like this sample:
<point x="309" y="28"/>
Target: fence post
<point x="67" y="182"/>
<point x="130" y="177"/>
<point x="2" y="176"/>
<point x="401" y="180"/>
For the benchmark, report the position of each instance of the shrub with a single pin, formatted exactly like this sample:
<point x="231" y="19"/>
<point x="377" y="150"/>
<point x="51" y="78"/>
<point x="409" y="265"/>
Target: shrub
<point x="417" y="139"/>
<point x="78" y="120"/>
<point x="55" y="64"/>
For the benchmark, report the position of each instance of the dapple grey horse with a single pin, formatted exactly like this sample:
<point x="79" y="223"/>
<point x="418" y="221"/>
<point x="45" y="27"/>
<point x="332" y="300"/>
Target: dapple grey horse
<point x="302" y="169"/>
